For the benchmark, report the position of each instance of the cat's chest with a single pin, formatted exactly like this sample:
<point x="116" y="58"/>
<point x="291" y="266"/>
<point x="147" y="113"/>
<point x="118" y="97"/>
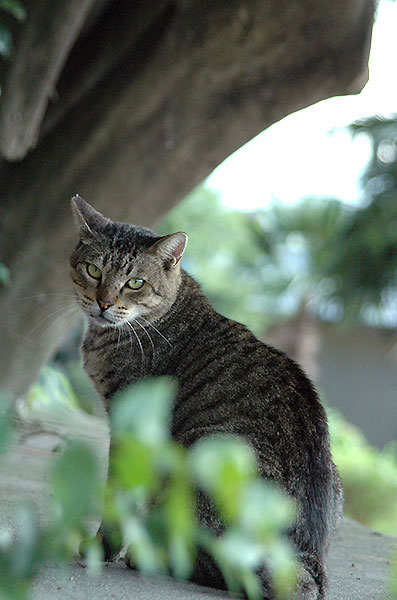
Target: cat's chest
<point x="110" y="361"/>
<point x="115" y="361"/>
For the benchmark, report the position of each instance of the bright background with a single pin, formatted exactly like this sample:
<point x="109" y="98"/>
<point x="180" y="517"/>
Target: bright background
<point x="320" y="156"/>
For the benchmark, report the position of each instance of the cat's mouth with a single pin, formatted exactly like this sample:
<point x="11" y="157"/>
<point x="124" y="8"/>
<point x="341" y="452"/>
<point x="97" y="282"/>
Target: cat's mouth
<point x="102" y="320"/>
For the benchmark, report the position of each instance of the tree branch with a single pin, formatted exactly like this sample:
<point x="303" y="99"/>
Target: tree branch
<point x="43" y="46"/>
<point x="204" y="79"/>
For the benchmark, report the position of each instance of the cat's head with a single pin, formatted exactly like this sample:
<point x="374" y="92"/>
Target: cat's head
<point x="122" y="272"/>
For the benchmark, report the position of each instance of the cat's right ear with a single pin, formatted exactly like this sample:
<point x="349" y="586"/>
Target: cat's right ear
<point x="88" y="220"/>
<point x="170" y="247"/>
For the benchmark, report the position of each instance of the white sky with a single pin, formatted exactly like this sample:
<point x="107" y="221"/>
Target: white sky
<point x="308" y="153"/>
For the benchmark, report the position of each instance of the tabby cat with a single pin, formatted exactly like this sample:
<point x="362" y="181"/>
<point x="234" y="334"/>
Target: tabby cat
<point x="129" y="282"/>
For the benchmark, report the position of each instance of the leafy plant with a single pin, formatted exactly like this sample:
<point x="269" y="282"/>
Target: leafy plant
<point x="150" y="503"/>
<point x="52" y="388"/>
<point x="148" y="469"/>
<point x="74" y="490"/>
<point x="369" y="476"/>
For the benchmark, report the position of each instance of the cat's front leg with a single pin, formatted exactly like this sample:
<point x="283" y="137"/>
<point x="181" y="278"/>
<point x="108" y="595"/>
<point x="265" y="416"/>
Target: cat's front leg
<point x="111" y="542"/>
<point x="306" y="588"/>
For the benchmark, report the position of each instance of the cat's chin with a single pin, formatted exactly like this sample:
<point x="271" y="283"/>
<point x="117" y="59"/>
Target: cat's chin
<point x="102" y="321"/>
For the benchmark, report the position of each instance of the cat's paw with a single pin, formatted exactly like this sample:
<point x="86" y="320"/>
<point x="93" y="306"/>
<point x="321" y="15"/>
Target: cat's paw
<point x="111" y="542"/>
<point x="307" y="587"/>
<point x="129" y="561"/>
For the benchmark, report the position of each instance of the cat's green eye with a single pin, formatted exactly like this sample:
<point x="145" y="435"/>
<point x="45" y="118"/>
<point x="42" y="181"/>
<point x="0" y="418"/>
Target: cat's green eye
<point x="93" y="271"/>
<point x="135" y="283"/>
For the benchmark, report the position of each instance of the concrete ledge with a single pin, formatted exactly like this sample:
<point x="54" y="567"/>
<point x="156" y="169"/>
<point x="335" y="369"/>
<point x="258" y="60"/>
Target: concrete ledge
<point x="359" y="569"/>
<point x="358" y="564"/>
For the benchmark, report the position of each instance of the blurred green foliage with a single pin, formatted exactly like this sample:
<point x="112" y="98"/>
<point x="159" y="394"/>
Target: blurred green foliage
<point x="150" y="500"/>
<point x="149" y="469"/>
<point x="52" y="388"/>
<point x="222" y="255"/>
<point x="74" y="496"/>
<point x="369" y="476"/>
<point x="365" y="256"/>
<point x="16" y="10"/>
<point x="5" y="278"/>
<point x="62" y="385"/>
<point x="6" y="432"/>
<point x="263" y="267"/>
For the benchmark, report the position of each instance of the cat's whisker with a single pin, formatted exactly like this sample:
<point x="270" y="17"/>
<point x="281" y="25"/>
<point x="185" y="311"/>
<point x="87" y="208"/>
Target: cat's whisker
<point x="139" y="342"/>
<point x="44" y="296"/>
<point x="156" y="330"/>
<point x="62" y="309"/>
<point x="70" y="313"/>
<point x="129" y="333"/>
<point x="148" y="335"/>
<point x="48" y="307"/>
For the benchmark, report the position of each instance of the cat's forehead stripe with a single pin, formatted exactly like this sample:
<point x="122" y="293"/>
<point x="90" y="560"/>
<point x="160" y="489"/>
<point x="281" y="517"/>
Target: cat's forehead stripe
<point x="124" y="243"/>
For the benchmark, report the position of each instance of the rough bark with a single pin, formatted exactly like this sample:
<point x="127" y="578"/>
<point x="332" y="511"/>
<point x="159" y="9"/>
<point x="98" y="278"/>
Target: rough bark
<point x="198" y="80"/>
<point x="50" y="32"/>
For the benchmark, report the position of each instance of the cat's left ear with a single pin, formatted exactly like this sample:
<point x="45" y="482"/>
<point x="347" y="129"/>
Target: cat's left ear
<point x="171" y="247"/>
<point x="89" y="220"/>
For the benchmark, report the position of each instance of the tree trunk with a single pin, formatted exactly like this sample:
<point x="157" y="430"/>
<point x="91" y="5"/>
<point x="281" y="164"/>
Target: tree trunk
<point x="142" y="117"/>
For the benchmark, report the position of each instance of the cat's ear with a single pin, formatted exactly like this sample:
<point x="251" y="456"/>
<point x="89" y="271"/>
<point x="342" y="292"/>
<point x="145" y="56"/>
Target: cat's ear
<point x="88" y="220"/>
<point x="170" y="247"/>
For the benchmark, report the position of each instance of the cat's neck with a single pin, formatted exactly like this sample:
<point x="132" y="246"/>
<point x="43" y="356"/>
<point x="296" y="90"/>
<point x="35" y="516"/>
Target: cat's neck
<point x="189" y="311"/>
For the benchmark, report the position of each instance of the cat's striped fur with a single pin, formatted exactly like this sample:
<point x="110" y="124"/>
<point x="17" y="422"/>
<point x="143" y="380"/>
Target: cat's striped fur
<point x="228" y="381"/>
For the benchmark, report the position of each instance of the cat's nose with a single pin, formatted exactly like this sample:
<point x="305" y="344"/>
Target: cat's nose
<point x="104" y="304"/>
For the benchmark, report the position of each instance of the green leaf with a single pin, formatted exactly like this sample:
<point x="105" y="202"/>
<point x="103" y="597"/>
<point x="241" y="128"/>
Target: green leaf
<point x="52" y="388"/>
<point x="93" y="554"/>
<point x="283" y="568"/>
<point x="145" y="410"/>
<point x="222" y="465"/>
<point x="145" y="554"/>
<point x="132" y="464"/>
<point x="181" y="525"/>
<point x="250" y="582"/>
<point x="6" y="432"/>
<point x="75" y="485"/>
<point x="5" y="278"/>
<point x="10" y="588"/>
<point x="6" y="42"/>
<point x="239" y="551"/>
<point x="265" y="510"/>
<point x="25" y="554"/>
<point x="15" y="8"/>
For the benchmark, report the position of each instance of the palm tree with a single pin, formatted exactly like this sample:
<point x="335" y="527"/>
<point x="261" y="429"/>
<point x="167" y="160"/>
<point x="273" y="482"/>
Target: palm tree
<point x="365" y="257"/>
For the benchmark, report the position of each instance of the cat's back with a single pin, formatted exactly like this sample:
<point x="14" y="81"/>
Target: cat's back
<point x="231" y="381"/>
<point x="234" y="383"/>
